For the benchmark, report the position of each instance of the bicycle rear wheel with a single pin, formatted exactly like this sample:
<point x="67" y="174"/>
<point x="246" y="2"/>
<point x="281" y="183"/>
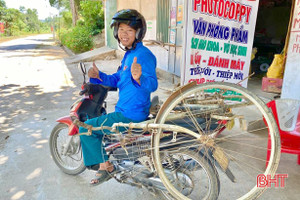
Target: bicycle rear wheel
<point x="231" y="126"/>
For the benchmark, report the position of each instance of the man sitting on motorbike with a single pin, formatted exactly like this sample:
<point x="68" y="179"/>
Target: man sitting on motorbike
<point x="136" y="79"/>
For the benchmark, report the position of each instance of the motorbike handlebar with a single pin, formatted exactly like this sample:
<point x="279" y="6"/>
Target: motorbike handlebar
<point x="82" y="92"/>
<point x="88" y="87"/>
<point x="112" y="89"/>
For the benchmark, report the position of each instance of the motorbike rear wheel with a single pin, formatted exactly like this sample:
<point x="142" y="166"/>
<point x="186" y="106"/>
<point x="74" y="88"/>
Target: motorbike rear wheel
<point x="69" y="160"/>
<point x="191" y="173"/>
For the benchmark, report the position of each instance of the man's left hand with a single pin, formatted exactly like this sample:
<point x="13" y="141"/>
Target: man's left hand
<point x="136" y="70"/>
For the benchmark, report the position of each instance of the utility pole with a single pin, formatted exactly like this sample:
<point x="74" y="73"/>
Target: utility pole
<point x="53" y="28"/>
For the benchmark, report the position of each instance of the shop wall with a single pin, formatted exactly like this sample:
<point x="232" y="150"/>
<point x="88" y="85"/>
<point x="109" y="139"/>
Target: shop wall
<point x="125" y="4"/>
<point x="110" y="8"/>
<point x="148" y="8"/>
<point x="291" y="80"/>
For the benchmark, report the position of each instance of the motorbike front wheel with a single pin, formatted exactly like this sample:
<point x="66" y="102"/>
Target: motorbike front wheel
<point x="66" y="150"/>
<point x="191" y="173"/>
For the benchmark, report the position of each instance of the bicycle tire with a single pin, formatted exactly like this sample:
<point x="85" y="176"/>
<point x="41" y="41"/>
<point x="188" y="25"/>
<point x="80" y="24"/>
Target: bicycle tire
<point x="190" y="91"/>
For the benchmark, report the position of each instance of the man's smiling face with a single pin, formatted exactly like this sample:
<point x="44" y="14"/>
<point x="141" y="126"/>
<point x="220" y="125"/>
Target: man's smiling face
<point x="126" y="35"/>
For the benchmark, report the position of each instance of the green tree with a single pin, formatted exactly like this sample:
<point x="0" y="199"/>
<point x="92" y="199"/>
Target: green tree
<point x="2" y="10"/>
<point x="13" y="21"/>
<point x="2" y="4"/>
<point x="32" y="20"/>
<point x="17" y="22"/>
<point x="90" y="22"/>
<point x="60" y="3"/>
<point x="78" y="39"/>
<point x="93" y="15"/>
<point x="66" y="19"/>
<point x="22" y="9"/>
<point x="71" y="5"/>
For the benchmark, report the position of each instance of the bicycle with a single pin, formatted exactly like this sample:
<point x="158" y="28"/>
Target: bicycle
<point x="214" y="120"/>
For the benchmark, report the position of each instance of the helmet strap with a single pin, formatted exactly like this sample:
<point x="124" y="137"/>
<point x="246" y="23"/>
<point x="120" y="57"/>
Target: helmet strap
<point x="121" y="47"/>
<point x="125" y="48"/>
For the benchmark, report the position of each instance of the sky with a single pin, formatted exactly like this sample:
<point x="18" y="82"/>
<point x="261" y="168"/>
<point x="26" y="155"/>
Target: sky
<point x="42" y="6"/>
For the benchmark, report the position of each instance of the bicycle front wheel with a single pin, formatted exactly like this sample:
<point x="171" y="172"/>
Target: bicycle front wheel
<point x="229" y="125"/>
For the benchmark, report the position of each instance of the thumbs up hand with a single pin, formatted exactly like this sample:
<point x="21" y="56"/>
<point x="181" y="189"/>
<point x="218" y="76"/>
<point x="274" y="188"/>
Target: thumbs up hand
<point x="136" y="70"/>
<point x="94" y="72"/>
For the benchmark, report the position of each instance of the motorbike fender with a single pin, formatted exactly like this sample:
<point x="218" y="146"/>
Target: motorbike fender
<point x="73" y="129"/>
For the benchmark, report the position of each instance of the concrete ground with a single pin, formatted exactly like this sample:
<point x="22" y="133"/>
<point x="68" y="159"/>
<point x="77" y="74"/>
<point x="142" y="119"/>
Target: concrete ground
<point x="36" y="88"/>
<point x="288" y="162"/>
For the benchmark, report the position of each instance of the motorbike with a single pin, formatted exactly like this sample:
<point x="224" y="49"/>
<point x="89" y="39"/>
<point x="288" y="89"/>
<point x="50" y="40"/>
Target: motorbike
<point x="198" y="139"/>
<point x="130" y="151"/>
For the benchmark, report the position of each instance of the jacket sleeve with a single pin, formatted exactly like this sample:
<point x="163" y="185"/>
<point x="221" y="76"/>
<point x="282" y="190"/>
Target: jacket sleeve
<point x="148" y="78"/>
<point x="107" y="80"/>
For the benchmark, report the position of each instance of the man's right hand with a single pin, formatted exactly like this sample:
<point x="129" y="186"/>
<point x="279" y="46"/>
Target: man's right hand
<point x="94" y="72"/>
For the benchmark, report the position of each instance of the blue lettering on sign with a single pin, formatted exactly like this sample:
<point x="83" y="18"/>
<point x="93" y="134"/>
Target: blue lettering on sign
<point x="239" y="35"/>
<point x="198" y="70"/>
<point x="218" y="31"/>
<point x="224" y="74"/>
<point x="199" y="26"/>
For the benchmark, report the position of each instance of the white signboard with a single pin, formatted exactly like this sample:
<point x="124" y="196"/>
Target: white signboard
<point x="219" y="40"/>
<point x="291" y="80"/>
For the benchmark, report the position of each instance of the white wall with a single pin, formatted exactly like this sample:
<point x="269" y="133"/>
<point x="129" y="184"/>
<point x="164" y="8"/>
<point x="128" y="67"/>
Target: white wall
<point x="161" y="56"/>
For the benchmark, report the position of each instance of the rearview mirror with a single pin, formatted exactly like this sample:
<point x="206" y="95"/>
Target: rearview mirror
<point x="83" y="70"/>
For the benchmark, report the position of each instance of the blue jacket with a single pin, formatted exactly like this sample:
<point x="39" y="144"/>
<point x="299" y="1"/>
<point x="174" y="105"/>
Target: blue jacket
<point x="134" y="99"/>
